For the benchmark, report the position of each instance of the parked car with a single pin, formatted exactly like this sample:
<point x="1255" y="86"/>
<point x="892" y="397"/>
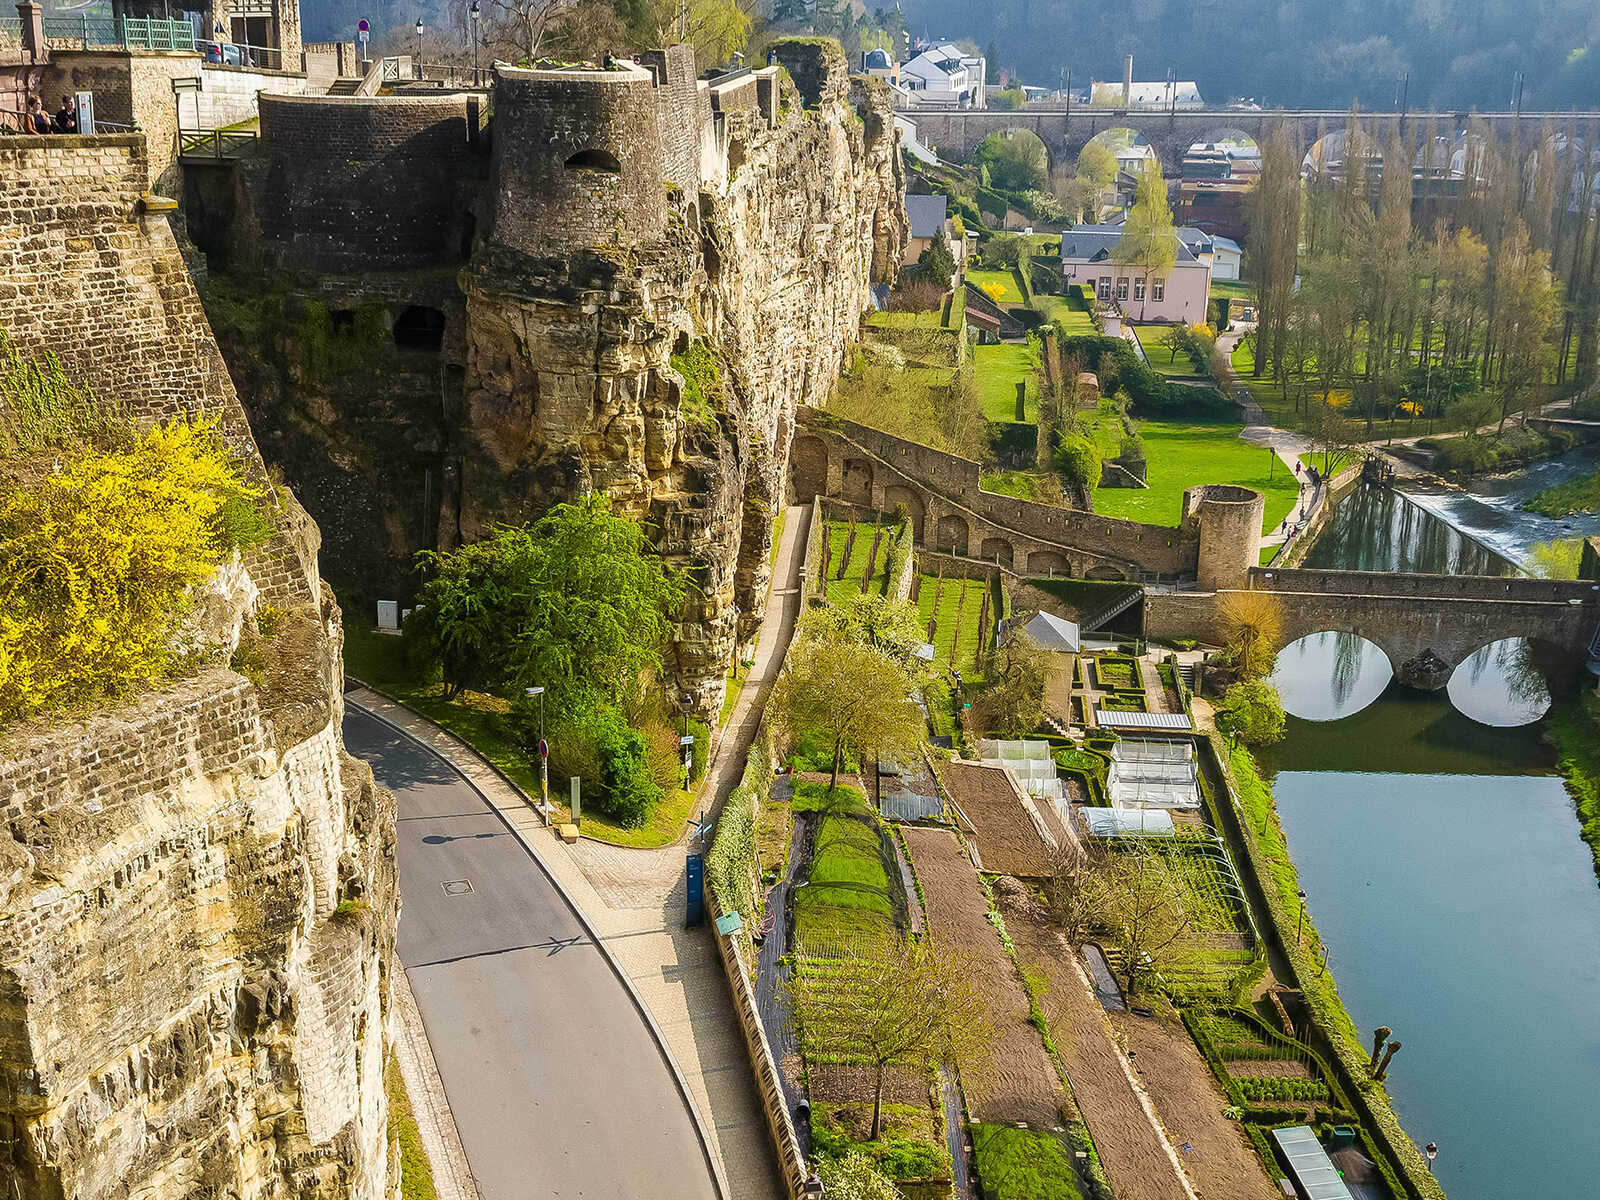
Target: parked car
<point x="226" y="53"/>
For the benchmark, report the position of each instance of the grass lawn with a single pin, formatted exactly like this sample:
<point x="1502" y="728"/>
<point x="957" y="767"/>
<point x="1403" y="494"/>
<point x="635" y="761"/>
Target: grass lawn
<point x="482" y="721"/>
<point x="1234" y="289"/>
<point x="903" y="320"/>
<point x="1160" y="357"/>
<point x="1106" y="428"/>
<point x="1007" y="280"/>
<point x="1073" y="321"/>
<point x="1279" y="412"/>
<point x="957" y="641"/>
<point x="1023" y="1164"/>
<point x="1042" y="487"/>
<point x="1180" y="455"/>
<point x="840" y="591"/>
<point x="999" y="369"/>
<point x="416" y="1175"/>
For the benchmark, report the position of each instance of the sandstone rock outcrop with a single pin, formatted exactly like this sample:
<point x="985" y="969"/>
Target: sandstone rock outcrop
<point x="777" y="213"/>
<point x="197" y="886"/>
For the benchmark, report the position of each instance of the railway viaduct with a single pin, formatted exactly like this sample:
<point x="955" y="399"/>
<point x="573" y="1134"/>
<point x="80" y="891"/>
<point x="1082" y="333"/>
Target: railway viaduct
<point x="1065" y="131"/>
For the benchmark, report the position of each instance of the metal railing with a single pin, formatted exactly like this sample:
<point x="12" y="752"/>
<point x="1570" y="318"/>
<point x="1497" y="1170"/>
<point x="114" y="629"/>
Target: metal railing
<point x="108" y="33"/>
<point x="10" y="31"/>
<point x="401" y="69"/>
<point x="215" y="143"/>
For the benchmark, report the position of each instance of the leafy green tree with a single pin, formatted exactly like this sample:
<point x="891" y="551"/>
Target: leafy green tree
<point x="576" y="601"/>
<point x="913" y="1000"/>
<point x="1011" y="703"/>
<point x="855" y="1177"/>
<point x="789" y="12"/>
<point x="936" y="264"/>
<point x="855" y="697"/>
<point x="1558" y="559"/>
<point x="1079" y="460"/>
<point x="1098" y="165"/>
<point x="1016" y="162"/>
<point x="1251" y="708"/>
<point x="1149" y="240"/>
<point x="891" y="626"/>
<point x="596" y="743"/>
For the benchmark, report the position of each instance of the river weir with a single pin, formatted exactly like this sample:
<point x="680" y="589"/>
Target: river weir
<point x="1441" y="855"/>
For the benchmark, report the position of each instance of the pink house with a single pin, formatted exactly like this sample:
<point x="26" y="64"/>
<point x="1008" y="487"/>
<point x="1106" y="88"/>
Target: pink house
<point x="1179" y="294"/>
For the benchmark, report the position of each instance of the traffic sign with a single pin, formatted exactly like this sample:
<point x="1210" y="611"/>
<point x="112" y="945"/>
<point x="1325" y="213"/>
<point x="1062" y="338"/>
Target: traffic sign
<point x="544" y="748"/>
<point x="362" y="26"/>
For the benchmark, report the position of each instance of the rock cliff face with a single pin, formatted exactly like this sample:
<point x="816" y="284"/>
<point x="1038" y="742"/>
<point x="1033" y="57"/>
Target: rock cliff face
<point x="759" y="252"/>
<point x="197" y="888"/>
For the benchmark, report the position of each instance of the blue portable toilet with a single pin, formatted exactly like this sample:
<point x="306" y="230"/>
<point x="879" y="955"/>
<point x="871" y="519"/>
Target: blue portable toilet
<point x="696" y="914"/>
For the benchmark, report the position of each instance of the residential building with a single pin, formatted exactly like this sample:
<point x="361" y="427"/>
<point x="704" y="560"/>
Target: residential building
<point x="943" y="76"/>
<point x="1178" y="294"/>
<point x="1159" y="95"/>
<point x="1226" y="258"/>
<point x="1215" y="206"/>
<point x="930" y="222"/>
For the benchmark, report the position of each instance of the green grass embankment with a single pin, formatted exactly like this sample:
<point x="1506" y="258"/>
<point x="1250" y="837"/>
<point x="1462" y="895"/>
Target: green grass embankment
<point x="1575" y="727"/>
<point x="1181" y="455"/>
<point x="1564" y="499"/>
<point x="1267" y="858"/>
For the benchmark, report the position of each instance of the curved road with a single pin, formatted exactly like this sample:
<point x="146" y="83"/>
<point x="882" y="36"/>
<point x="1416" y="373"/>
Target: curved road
<point x="557" y="1086"/>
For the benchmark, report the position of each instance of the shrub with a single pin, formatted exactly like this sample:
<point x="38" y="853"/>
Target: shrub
<point x="703" y="394"/>
<point x="613" y="761"/>
<point x="1079" y="460"/>
<point x="97" y="560"/>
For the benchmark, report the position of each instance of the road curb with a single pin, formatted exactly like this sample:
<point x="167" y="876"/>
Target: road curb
<point x="702" y="1132"/>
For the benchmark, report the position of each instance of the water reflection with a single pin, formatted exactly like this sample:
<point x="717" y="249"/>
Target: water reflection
<point x="1330" y="675"/>
<point x="1501" y="685"/>
<point x="1375" y="529"/>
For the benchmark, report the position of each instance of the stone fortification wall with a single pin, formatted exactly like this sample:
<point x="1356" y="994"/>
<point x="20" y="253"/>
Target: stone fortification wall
<point x="185" y="1007"/>
<point x="1230" y="520"/>
<point x="1422" y="587"/>
<point x="229" y="94"/>
<point x="356" y="184"/>
<point x="865" y="466"/>
<point x="579" y="160"/>
<point x="88" y="275"/>
<point x="590" y="281"/>
<point x="682" y="109"/>
<point x="131" y="87"/>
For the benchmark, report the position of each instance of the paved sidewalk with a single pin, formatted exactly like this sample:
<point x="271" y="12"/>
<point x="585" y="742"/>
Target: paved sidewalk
<point x="635" y="901"/>
<point x="452" y="1177"/>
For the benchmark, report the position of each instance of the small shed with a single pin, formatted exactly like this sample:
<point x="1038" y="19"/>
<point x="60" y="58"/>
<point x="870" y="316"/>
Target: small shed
<point x="1146" y="723"/>
<point x="1048" y="632"/>
<point x="1088" y="385"/>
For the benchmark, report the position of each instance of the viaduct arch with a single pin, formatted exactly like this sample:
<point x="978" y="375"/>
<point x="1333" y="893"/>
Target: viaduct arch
<point x="1065" y="131"/>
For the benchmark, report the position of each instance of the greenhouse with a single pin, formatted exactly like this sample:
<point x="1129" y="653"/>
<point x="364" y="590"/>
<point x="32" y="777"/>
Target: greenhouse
<point x="1127" y="822"/>
<point x="1150" y="771"/>
<point x="1030" y="762"/>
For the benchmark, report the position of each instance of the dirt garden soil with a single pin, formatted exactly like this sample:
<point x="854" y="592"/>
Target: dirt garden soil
<point x="1174" y="1076"/>
<point x="1020" y="1083"/>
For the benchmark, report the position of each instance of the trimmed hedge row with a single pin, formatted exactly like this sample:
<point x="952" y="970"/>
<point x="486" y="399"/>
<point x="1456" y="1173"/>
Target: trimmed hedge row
<point x="732" y="865"/>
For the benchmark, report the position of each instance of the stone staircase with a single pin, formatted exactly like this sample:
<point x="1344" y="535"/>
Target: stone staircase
<point x="344" y="87"/>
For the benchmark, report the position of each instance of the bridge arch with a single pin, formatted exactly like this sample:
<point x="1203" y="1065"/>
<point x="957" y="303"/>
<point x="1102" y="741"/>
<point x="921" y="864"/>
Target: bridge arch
<point x="1129" y="145"/>
<point x="1105" y="573"/>
<point x="808" y="467"/>
<point x="1048" y="562"/>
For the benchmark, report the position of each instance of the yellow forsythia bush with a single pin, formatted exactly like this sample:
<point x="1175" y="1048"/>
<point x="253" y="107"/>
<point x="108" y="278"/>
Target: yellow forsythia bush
<point x="97" y="559"/>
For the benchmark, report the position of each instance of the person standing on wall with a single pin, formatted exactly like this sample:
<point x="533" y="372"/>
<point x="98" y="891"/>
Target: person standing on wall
<point x="66" y="121"/>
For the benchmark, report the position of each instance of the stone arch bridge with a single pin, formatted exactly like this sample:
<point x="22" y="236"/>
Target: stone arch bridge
<point x="1427" y="624"/>
<point x="1065" y="132"/>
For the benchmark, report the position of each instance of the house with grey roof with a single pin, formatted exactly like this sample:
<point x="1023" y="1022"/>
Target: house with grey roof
<point x="929" y="219"/>
<point x="1179" y="293"/>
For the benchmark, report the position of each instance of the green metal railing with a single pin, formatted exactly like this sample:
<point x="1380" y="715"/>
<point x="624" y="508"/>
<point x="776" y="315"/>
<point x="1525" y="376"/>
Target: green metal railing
<point x="107" y="33"/>
<point x="215" y="143"/>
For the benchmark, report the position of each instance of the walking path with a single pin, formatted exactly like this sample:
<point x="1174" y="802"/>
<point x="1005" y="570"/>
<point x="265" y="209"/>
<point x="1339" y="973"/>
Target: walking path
<point x="635" y="900"/>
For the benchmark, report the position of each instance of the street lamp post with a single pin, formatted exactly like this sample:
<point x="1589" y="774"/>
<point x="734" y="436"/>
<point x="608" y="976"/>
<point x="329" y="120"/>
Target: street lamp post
<point x="1431" y="1151"/>
<point x="419" y="47"/>
<point x="544" y="746"/>
<point x="474" y="13"/>
<point x="1298" y="925"/>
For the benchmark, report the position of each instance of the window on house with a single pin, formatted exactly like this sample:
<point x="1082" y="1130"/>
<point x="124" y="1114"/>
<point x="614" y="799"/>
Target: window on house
<point x="1138" y="289"/>
<point x="1105" y="287"/>
<point x="1122" y="288"/>
<point x="1158" y="290"/>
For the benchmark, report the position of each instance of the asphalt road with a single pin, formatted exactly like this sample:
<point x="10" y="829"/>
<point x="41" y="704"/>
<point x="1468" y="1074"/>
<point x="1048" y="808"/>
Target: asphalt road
<point x="557" y="1086"/>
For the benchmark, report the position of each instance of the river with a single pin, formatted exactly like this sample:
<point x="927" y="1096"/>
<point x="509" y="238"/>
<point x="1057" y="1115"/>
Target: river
<point x="1442" y="860"/>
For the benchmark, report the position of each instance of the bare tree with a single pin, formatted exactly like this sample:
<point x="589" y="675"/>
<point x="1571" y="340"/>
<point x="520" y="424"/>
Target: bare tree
<point x="1252" y="624"/>
<point x="911" y="1002"/>
<point x="1142" y="911"/>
